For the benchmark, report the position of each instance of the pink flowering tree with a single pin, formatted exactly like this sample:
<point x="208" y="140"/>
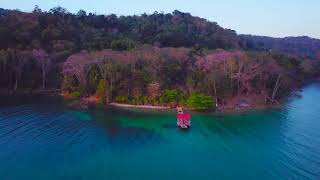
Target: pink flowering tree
<point x="218" y="65"/>
<point x="77" y="65"/>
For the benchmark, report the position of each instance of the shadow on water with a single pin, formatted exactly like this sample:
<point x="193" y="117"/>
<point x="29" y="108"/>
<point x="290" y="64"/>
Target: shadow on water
<point x="24" y="99"/>
<point x="119" y="134"/>
<point x="169" y="126"/>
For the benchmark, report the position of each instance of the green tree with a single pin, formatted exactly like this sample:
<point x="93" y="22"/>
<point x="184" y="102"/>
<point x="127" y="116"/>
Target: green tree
<point x="68" y="84"/>
<point x="102" y="92"/>
<point x="93" y="78"/>
<point x="171" y="96"/>
<point x="200" y="101"/>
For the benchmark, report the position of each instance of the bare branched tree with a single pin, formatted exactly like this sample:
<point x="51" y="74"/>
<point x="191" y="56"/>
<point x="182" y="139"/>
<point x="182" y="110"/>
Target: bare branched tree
<point x="43" y="61"/>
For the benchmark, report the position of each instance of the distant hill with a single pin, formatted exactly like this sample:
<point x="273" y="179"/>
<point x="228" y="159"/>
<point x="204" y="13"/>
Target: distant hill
<point x="301" y="46"/>
<point x="58" y="29"/>
<point x="62" y="33"/>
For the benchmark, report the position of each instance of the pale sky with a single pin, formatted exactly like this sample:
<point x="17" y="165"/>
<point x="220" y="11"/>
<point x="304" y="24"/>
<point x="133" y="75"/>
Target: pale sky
<point x="277" y="18"/>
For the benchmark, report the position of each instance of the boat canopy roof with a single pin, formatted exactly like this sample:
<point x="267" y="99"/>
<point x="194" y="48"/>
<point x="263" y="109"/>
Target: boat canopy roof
<point x="184" y="116"/>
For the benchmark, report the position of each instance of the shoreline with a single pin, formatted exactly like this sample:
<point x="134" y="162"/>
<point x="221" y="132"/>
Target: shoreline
<point x="217" y="110"/>
<point x="119" y="105"/>
<point x="92" y="101"/>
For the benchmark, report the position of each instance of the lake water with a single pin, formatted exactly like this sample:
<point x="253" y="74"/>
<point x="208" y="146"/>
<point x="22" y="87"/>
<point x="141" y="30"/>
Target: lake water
<point x="51" y="141"/>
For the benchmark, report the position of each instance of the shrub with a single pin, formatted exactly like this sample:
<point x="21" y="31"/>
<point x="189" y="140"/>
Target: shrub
<point x="68" y="84"/>
<point x="171" y="96"/>
<point x="75" y="94"/>
<point x="200" y="101"/>
<point x="161" y="100"/>
<point x="137" y="100"/>
<point x="154" y="101"/>
<point x="145" y="100"/>
<point x="122" y="99"/>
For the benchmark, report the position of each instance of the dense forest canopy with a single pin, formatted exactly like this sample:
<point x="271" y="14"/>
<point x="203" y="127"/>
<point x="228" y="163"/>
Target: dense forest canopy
<point x="58" y="29"/>
<point x="147" y="59"/>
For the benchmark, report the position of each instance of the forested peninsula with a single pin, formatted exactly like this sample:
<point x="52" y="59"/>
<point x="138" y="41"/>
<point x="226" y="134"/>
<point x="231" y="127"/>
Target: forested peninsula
<point x="154" y="59"/>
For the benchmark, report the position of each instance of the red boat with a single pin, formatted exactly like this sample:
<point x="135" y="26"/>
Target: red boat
<point x="183" y="120"/>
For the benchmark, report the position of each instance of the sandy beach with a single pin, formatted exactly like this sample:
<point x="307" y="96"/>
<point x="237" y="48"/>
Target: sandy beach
<point x="138" y="106"/>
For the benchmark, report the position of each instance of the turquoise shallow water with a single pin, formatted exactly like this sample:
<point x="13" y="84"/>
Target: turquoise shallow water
<point x="41" y="141"/>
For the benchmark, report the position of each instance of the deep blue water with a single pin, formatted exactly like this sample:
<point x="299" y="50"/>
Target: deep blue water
<point x="51" y="141"/>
